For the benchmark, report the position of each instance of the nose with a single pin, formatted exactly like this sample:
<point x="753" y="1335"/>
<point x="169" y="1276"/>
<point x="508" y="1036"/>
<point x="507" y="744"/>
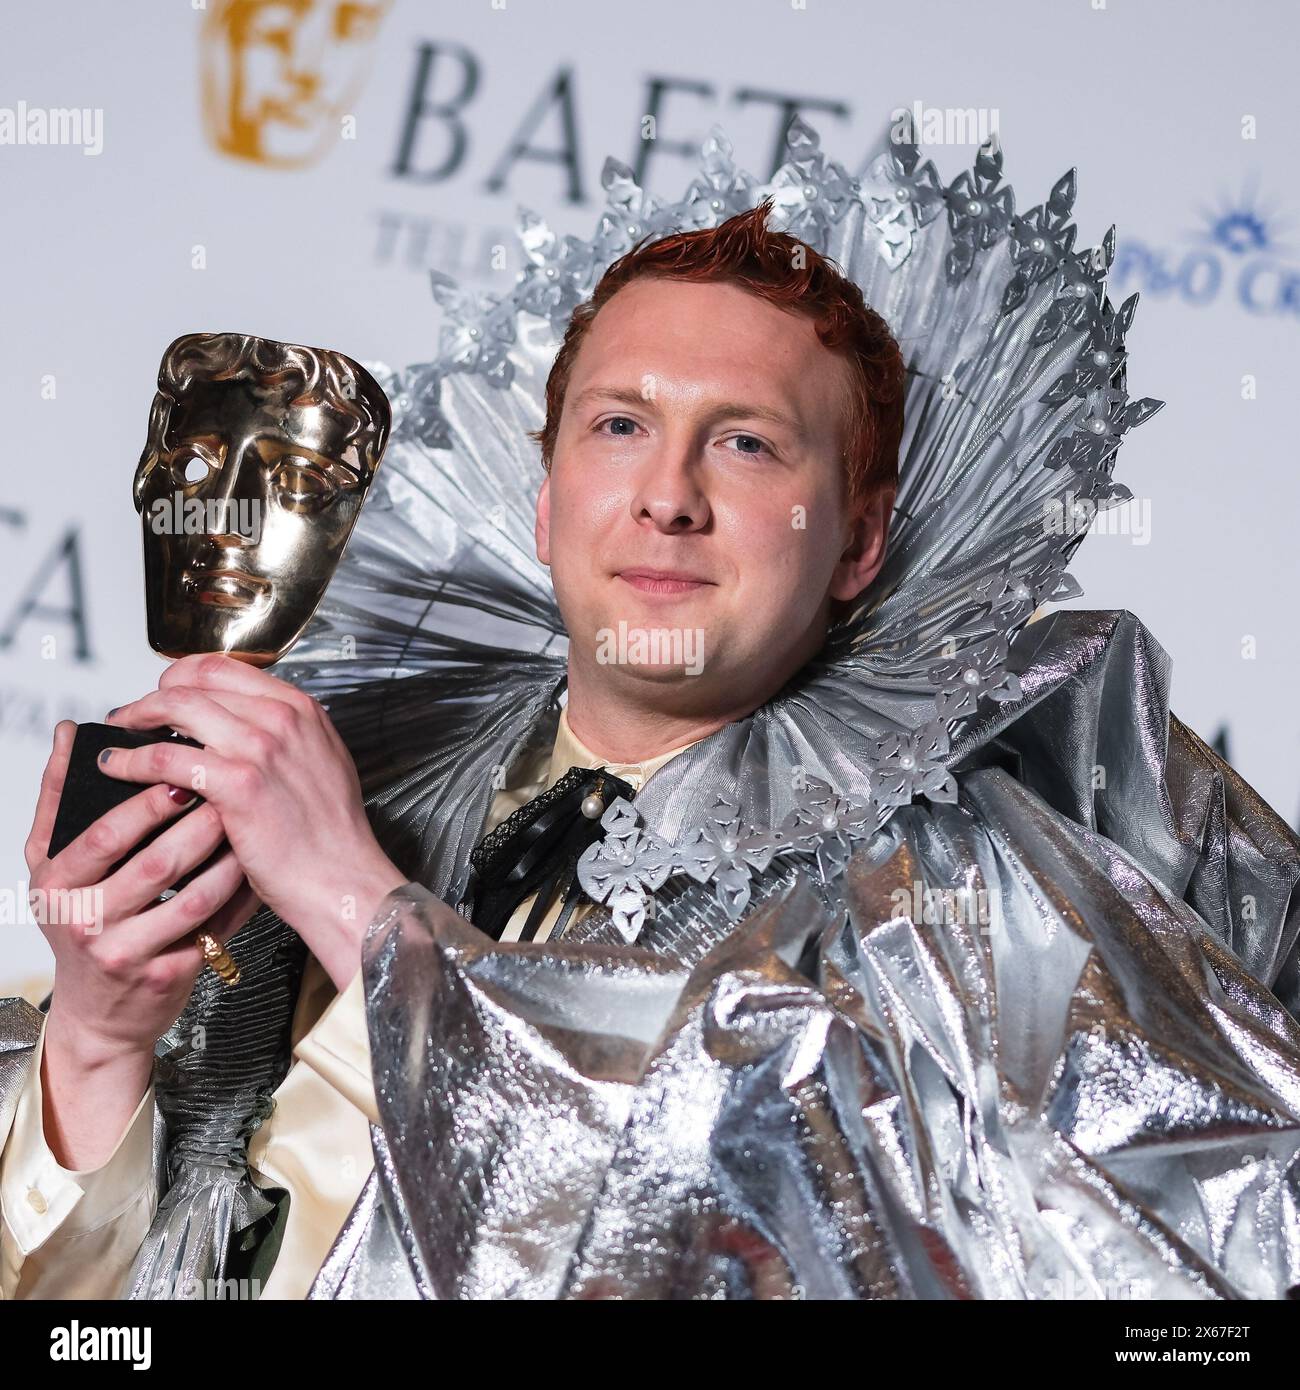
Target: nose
<point x="241" y="476"/>
<point x="241" y="484"/>
<point x="668" y="495"/>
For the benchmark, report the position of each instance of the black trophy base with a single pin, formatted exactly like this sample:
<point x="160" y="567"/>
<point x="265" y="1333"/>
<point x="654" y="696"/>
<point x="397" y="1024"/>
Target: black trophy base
<point x="88" y="793"/>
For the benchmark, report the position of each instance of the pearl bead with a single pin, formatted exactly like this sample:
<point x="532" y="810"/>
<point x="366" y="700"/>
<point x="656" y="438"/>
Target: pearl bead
<point x="902" y="194"/>
<point x="907" y="761"/>
<point x="627" y="859"/>
<point x="974" y="207"/>
<point x="1101" y="358"/>
<point x="727" y="845"/>
<point x="830" y="821"/>
<point x="971" y="676"/>
<point x="593" y="807"/>
<point x="1037" y="244"/>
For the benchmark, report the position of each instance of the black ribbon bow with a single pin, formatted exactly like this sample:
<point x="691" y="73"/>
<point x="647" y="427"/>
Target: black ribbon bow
<point x="536" y="850"/>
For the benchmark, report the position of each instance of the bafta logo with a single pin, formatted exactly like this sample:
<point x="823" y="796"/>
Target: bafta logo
<point x="279" y="77"/>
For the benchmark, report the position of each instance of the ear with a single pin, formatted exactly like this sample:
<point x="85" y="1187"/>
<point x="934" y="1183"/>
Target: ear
<point x="864" y="551"/>
<point x="542" y="526"/>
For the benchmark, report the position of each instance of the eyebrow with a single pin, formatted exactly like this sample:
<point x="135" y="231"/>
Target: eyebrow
<point x="629" y="395"/>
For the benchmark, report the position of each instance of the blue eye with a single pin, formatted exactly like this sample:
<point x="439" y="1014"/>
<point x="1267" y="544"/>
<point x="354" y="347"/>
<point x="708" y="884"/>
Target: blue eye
<point x="753" y="439"/>
<point x="617" y="419"/>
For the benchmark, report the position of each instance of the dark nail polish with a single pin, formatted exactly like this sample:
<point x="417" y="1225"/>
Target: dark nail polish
<point x="181" y="795"/>
<point x="104" y="756"/>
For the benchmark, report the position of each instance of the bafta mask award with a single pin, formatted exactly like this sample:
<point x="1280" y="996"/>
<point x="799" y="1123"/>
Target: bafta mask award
<point x="259" y="457"/>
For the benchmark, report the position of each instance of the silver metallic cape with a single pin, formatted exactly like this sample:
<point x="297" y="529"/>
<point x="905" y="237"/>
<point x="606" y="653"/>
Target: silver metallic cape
<point x="1084" y="1088"/>
<point x="961" y="968"/>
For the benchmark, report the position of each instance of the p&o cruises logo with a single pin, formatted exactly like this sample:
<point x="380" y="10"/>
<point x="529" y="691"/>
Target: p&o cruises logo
<point x="1237" y="254"/>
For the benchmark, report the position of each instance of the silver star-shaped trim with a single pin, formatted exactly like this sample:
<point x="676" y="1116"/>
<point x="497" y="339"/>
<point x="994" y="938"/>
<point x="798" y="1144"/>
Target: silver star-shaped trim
<point x="625" y="867"/>
<point x="730" y="854"/>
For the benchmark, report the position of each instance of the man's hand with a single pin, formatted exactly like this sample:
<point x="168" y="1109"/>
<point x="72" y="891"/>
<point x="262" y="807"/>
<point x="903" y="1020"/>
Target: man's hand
<point x="275" y="771"/>
<point x="123" y="969"/>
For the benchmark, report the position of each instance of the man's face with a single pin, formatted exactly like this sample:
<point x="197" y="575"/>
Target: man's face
<point x="245" y="517"/>
<point x="696" y="497"/>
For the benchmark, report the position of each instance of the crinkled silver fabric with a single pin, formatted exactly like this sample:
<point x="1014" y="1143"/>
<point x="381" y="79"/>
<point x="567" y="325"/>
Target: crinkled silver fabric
<point x="214" y="1081"/>
<point x="1093" y="1093"/>
<point x="1080" y="1090"/>
<point x="370" y="1260"/>
<point x="20" y="1029"/>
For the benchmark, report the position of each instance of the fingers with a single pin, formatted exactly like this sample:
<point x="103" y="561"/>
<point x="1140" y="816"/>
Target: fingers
<point x="159" y="864"/>
<point x="166" y="934"/>
<point x="180" y="765"/>
<point x="213" y="671"/>
<point x="90" y="856"/>
<point x="225" y="722"/>
<point x="233" y="915"/>
<point x="173" y="923"/>
<point x="47" y="802"/>
<point x="189" y="711"/>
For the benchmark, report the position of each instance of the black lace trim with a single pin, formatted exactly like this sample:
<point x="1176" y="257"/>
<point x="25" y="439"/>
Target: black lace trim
<point x="535" y="850"/>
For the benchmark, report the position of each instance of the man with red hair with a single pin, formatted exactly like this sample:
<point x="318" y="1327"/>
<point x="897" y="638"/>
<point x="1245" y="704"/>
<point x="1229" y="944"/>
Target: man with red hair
<point x="855" y="1088"/>
<point x="721" y="453"/>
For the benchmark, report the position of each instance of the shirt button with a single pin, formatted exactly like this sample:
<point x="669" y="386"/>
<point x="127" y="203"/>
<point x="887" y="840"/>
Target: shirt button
<point x="37" y="1202"/>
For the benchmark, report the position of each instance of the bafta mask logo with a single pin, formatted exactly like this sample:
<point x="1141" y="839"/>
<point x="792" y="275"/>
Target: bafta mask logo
<point x="280" y="77"/>
<point x="259" y="457"/>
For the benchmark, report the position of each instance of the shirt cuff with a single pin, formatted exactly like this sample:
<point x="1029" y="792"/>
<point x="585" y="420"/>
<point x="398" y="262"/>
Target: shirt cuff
<point x="338" y="1048"/>
<point x="39" y="1196"/>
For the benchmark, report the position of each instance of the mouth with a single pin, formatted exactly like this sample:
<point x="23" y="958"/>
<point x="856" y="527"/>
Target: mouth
<point x="652" y="581"/>
<point x="225" y="588"/>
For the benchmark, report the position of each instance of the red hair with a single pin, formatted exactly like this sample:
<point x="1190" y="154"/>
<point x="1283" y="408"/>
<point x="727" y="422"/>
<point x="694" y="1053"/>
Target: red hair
<point x="788" y="273"/>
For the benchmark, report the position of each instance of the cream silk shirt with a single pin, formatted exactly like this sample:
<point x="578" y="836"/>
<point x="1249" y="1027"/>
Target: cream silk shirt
<point x="69" y="1234"/>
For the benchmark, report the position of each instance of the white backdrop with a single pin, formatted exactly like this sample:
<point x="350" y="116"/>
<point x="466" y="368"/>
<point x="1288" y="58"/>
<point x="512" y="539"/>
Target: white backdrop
<point x="182" y="209"/>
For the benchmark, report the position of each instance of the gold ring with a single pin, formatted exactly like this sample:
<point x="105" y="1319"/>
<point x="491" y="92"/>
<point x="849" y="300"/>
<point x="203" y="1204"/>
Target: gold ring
<point x="219" y="959"/>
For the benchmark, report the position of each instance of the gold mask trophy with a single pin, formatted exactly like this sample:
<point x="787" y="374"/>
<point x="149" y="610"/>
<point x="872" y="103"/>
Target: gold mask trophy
<point x="260" y="455"/>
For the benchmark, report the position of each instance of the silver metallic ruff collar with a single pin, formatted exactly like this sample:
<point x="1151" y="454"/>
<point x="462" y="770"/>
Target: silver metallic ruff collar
<point x="1016" y="407"/>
